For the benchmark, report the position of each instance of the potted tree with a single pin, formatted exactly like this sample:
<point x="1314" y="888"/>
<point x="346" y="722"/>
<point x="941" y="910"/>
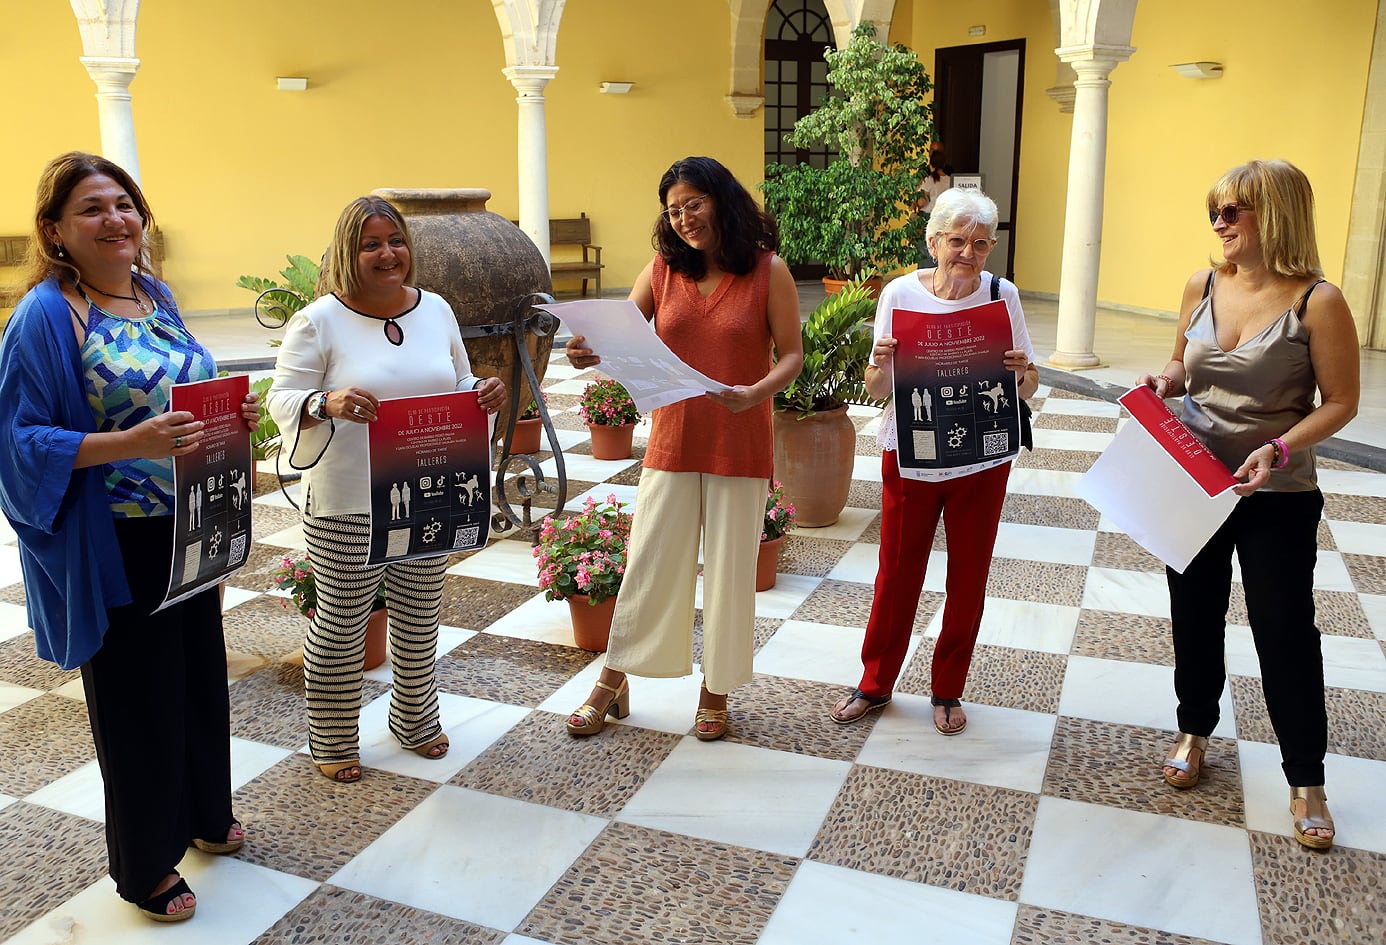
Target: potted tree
<point x="815" y="441"/>
<point x="855" y="214"/>
<point x="582" y="559"/>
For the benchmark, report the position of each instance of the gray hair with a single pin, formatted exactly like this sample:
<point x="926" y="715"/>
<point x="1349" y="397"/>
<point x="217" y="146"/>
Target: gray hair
<point x="955" y="209"/>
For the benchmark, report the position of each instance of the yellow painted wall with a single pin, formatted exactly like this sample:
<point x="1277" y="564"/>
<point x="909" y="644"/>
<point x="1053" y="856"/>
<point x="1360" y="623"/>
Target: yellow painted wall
<point x="239" y="173"/>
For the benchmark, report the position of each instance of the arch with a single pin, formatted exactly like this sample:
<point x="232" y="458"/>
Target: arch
<point x="529" y="30"/>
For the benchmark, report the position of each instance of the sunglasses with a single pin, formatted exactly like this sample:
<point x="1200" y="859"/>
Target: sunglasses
<point x="1230" y="214"/>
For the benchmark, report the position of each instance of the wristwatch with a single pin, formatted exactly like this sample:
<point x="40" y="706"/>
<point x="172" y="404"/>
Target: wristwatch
<point x="317" y="404"/>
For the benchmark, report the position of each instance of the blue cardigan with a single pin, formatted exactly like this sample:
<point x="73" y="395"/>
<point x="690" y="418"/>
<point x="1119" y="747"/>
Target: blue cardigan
<point x="73" y="570"/>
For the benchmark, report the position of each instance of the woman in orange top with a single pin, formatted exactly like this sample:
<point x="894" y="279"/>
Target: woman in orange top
<point x="727" y="305"/>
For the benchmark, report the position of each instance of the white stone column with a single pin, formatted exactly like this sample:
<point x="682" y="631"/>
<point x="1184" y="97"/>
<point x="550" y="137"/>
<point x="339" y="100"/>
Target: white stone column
<point x="530" y="82"/>
<point x="113" y="76"/>
<point x="1087" y="169"/>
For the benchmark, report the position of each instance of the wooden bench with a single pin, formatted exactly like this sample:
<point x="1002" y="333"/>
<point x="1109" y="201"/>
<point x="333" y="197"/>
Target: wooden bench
<point x="576" y="232"/>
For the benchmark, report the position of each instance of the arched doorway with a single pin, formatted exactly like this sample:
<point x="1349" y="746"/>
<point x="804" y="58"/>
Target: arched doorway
<point x="796" y="79"/>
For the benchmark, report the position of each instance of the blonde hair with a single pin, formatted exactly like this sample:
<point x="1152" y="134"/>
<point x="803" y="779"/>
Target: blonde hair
<point x="1280" y="196"/>
<point x="57" y="182"/>
<point x="339" y="273"/>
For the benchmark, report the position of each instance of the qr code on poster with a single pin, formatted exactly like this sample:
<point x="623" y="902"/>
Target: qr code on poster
<point x="465" y="536"/>
<point x="993" y="444"/>
<point x="925" y="445"/>
<point x="237" y="549"/>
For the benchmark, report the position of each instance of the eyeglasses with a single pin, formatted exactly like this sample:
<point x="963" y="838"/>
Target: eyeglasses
<point x="979" y="246"/>
<point x="1230" y="214"/>
<point x="693" y="205"/>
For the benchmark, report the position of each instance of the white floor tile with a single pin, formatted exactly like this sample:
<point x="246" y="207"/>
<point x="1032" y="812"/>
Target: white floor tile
<point x="1374" y="605"/>
<point x="1130" y="694"/>
<point x="1359" y="538"/>
<point x="1156" y="872"/>
<point x="537" y="619"/>
<point x="233" y="596"/>
<point x="14" y="619"/>
<point x="871" y="908"/>
<point x="583" y="468"/>
<point x="6" y="801"/>
<point x="1006" y="748"/>
<point x="1352" y="663"/>
<point x="818" y="651"/>
<point x="859" y="564"/>
<point x="867" y="468"/>
<point x="473" y="856"/>
<point x="472" y="725"/>
<point x="665" y="705"/>
<point x="12" y="695"/>
<point x="1079" y="440"/>
<point x="702" y="788"/>
<point x="1045" y="543"/>
<point x="1081" y="408"/>
<point x="1349" y="482"/>
<point x="1354" y="788"/>
<point x="10" y="570"/>
<point x="236" y="902"/>
<point x="1127" y="592"/>
<point x="602" y="492"/>
<point x="783" y="599"/>
<point x="1330" y="574"/>
<point x="1024" y="625"/>
<point x="72" y="689"/>
<point x="508" y="561"/>
<point x="291" y="538"/>
<point x="78" y="792"/>
<point x="848" y="527"/>
<point x="1029" y="481"/>
<point x="251" y="759"/>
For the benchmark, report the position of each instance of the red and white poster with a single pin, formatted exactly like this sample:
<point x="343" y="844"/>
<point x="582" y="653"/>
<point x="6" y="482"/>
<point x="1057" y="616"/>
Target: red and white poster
<point x="211" y="488"/>
<point x="1159" y="484"/>
<point x="430" y="460"/>
<point x="956" y="406"/>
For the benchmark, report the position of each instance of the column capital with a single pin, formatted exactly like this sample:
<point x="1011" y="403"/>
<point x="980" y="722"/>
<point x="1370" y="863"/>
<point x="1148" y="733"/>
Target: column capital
<point x="111" y="70"/>
<point x="745" y="105"/>
<point x="530" y="81"/>
<point x="1092" y="57"/>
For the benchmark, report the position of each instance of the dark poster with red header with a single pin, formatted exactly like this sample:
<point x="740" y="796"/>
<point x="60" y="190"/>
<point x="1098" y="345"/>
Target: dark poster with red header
<point x="955" y="402"/>
<point x="430" y="460"/>
<point x="211" y="488"/>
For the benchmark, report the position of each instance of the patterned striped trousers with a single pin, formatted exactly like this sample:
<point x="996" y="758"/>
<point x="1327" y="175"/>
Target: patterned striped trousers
<point x="335" y="650"/>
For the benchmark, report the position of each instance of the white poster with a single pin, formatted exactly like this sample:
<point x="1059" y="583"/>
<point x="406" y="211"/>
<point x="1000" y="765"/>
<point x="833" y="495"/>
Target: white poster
<point x="616" y="331"/>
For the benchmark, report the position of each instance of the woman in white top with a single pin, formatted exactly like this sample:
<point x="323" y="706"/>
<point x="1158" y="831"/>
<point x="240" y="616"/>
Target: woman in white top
<point x="961" y="234"/>
<point x="373" y="336"/>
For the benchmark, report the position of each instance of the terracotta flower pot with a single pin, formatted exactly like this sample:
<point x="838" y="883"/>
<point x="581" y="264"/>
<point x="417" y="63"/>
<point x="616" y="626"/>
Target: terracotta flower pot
<point x="813" y="461"/>
<point x="611" y="442"/>
<point x="377" y="638"/>
<point x="591" y="622"/>
<point x="528" y="434"/>
<point x="768" y="563"/>
<point x="873" y="286"/>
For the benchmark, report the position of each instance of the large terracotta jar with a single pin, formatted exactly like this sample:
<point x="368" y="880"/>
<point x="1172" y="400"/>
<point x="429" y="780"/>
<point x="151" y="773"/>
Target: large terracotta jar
<point x="813" y="461"/>
<point x="481" y="263"/>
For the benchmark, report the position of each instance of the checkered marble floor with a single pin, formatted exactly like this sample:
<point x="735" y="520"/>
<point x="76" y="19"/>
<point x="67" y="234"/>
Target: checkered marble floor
<point x="1045" y="822"/>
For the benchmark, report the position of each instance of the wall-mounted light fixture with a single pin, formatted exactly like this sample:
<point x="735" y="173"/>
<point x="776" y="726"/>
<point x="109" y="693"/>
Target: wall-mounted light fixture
<point x="616" y="88"/>
<point x="292" y="83"/>
<point x="976" y="31"/>
<point x="1198" y="70"/>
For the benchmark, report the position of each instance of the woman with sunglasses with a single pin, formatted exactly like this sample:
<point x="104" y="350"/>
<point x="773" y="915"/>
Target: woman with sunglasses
<point x="1259" y="334"/>
<point x="961" y="235"/>
<point x="727" y="305"/>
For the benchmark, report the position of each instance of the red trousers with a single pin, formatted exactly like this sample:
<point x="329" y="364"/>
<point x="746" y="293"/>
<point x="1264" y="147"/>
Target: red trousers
<point x="910" y="509"/>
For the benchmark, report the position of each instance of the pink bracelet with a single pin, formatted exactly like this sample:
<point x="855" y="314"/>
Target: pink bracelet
<point x="1278" y="445"/>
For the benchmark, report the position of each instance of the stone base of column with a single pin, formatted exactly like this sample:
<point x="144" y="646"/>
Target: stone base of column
<point x="1074" y="361"/>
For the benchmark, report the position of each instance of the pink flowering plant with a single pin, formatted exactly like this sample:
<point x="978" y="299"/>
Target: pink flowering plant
<point x="585" y="552"/>
<point x="531" y="411"/>
<point x="779" y="514"/>
<point x="295" y="575"/>
<point x="605" y="403"/>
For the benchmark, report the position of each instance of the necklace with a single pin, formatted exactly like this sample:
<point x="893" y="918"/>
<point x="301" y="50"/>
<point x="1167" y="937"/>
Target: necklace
<point x="139" y="303"/>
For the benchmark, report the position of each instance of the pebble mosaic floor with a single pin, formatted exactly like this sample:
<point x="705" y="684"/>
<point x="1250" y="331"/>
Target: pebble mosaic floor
<point x="1046" y="822"/>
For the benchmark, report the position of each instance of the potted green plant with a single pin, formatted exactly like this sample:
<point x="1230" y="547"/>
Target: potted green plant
<point x="610" y="414"/>
<point x="295" y="575"/>
<point x="581" y="558"/>
<point x="275" y="302"/>
<point x="779" y="519"/>
<point x="815" y="441"/>
<point x="855" y="215"/>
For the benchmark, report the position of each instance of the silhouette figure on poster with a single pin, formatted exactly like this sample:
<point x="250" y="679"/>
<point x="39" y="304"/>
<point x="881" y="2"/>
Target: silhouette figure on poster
<point x="471" y="490"/>
<point x="923" y="405"/>
<point x="394" y="501"/>
<point x="404" y="500"/>
<point x="994" y="398"/>
<point x="192" y="507"/>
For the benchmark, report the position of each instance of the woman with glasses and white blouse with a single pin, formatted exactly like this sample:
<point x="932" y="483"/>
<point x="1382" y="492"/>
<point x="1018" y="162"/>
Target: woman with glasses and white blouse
<point x="961" y="235"/>
<point x="726" y="304"/>
<point x="1260" y="334"/>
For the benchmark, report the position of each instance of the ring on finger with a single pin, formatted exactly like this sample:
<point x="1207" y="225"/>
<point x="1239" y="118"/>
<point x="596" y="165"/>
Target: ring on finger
<point x="356" y="410"/>
<point x="177" y="442"/>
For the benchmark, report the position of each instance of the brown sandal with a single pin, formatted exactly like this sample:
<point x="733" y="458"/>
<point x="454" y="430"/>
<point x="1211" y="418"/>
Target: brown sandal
<point x="435" y="747"/>
<point x="587" y="719"/>
<point x="1316" y="817"/>
<point x="334" y="770"/>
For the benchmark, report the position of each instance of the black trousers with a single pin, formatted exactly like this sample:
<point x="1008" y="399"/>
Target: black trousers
<point x="157" y="698"/>
<point x="1275" y="536"/>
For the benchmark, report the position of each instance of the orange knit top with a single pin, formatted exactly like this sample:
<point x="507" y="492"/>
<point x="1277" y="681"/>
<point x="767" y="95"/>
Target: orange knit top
<point x="727" y="337"/>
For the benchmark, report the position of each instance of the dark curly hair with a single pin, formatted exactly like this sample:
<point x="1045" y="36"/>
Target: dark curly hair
<point x="744" y="230"/>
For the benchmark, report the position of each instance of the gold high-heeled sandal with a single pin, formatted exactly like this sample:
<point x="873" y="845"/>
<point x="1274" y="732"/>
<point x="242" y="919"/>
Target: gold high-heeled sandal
<point x="591" y="720"/>
<point x="1181" y="759"/>
<point x="1316" y="817"/>
<point x="714" y="719"/>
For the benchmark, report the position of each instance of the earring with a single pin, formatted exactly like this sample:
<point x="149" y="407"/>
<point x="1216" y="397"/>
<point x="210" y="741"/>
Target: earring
<point x="61" y="254"/>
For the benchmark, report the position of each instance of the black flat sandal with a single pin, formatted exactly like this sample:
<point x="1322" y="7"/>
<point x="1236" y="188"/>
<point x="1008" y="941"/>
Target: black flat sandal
<point x="948" y="706"/>
<point x="156" y="907"/>
<point x="872" y="704"/>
